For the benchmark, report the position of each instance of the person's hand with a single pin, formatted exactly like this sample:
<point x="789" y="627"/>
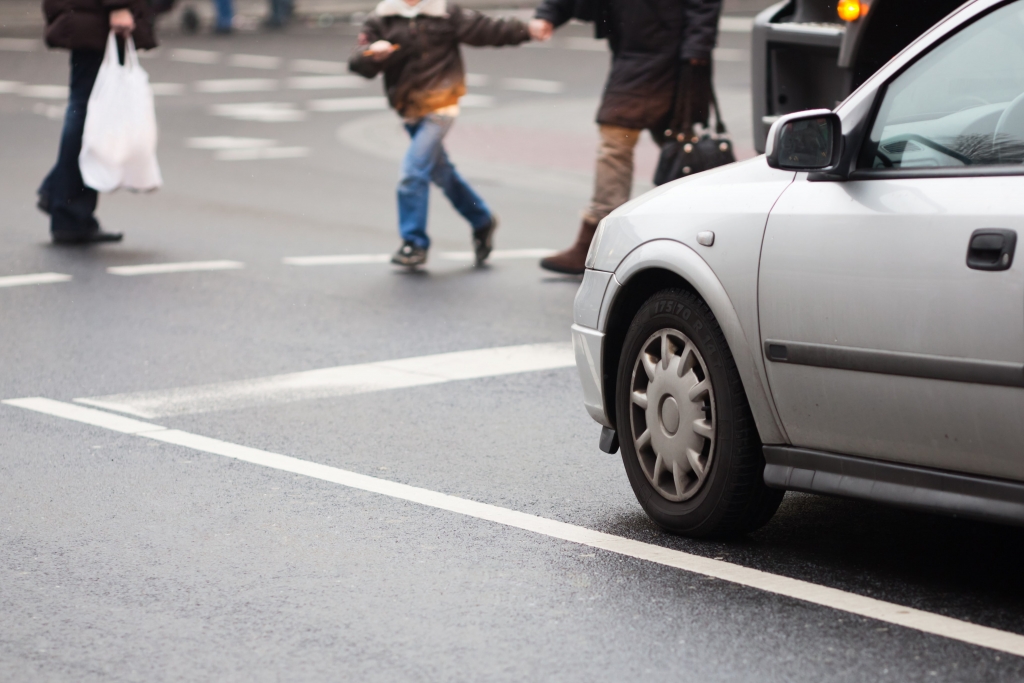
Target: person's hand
<point x="541" y="29"/>
<point x="122" y="22"/>
<point x="380" y="50"/>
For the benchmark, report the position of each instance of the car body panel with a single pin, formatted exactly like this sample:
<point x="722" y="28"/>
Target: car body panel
<point x="587" y="306"/>
<point x="879" y="266"/>
<point x="743" y="341"/>
<point x="733" y="202"/>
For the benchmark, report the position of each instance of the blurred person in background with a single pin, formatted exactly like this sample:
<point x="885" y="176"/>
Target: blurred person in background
<point x="280" y="13"/>
<point x="82" y="26"/>
<point x="225" y="17"/>
<point x="415" y="43"/>
<point x="653" y="42"/>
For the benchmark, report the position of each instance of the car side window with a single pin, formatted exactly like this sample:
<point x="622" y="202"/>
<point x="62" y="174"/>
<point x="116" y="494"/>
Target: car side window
<point x="962" y="104"/>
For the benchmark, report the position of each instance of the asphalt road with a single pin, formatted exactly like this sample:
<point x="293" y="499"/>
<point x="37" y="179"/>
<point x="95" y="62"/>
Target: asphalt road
<point x="125" y="557"/>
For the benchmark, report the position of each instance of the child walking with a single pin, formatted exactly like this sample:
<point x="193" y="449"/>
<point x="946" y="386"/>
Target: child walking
<point x="416" y="44"/>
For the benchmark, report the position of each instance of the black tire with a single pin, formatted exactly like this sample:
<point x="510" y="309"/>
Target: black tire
<point x="732" y="498"/>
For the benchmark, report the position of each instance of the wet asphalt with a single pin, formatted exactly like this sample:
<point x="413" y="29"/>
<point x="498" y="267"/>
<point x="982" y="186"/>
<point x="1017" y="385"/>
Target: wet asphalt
<point x="124" y="559"/>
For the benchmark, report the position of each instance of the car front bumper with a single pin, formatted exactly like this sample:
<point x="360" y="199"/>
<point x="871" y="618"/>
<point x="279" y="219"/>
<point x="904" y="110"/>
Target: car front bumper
<point x="589" y="347"/>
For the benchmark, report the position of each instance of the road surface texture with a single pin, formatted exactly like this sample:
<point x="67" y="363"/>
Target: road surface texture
<point x="259" y="452"/>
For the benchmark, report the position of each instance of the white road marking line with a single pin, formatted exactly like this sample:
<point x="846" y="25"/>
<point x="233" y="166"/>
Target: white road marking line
<point x="183" y="267"/>
<point x="195" y="56"/>
<point x="804" y="591"/>
<point x="336" y="259"/>
<point x="33" y="279"/>
<point x="254" y="61"/>
<point x="9" y="86"/>
<point x="54" y="112"/>
<point x="481" y="101"/>
<point x="736" y="24"/>
<point x="349" y="104"/>
<point x="533" y="85"/>
<point x="326" y="82"/>
<point x="88" y="416"/>
<point x="46" y="92"/>
<point x="257" y="153"/>
<point x="579" y="43"/>
<point x="226" y="142"/>
<point x="477" y="80"/>
<point x="728" y="54"/>
<point x="360" y="259"/>
<point x="498" y="254"/>
<point x="344" y="380"/>
<point x="246" y="149"/>
<point x="19" y="44"/>
<point x="225" y="85"/>
<point x="317" y="66"/>
<point x="264" y="112"/>
<point x="165" y="89"/>
<point x="339" y="104"/>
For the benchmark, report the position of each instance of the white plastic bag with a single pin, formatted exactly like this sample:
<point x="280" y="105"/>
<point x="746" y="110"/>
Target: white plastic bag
<point x="119" y="142"/>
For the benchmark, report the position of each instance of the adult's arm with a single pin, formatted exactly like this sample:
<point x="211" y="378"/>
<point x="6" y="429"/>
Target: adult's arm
<point x="701" y="32"/>
<point x="359" y="62"/>
<point x="557" y="12"/>
<point x="480" y="30"/>
<point x="111" y="5"/>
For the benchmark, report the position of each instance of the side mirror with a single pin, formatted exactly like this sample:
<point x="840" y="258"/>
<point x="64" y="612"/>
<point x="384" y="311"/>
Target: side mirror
<point x="805" y="141"/>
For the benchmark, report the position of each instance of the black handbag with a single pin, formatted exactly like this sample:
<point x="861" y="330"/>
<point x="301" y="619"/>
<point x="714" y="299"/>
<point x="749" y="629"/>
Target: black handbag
<point x="684" y="153"/>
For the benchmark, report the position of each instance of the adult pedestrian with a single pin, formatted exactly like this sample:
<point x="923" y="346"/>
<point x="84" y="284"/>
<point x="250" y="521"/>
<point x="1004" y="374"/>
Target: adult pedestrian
<point x="82" y="26"/>
<point x="656" y="46"/>
<point x="415" y="43"/>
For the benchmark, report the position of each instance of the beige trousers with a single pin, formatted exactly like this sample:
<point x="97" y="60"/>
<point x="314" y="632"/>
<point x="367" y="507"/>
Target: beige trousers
<point x="613" y="179"/>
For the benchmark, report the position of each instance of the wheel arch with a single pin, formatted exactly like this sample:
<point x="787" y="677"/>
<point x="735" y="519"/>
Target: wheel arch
<point x="663" y="264"/>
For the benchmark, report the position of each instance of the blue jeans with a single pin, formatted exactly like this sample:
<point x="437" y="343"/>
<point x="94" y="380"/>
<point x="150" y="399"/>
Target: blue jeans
<point x="70" y="203"/>
<point x="427" y="161"/>
<point x="225" y="13"/>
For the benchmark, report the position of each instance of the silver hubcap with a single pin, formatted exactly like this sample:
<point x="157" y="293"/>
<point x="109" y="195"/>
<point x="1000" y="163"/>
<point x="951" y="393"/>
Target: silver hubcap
<point x="672" y="415"/>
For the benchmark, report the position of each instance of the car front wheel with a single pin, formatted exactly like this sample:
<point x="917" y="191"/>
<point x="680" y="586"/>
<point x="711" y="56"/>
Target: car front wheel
<point x="689" y="443"/>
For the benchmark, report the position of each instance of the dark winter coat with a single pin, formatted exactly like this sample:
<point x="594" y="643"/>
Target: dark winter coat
<point x="649" y="39"/>
<point x="426" y="73"/>
<point x="85" y="24"/>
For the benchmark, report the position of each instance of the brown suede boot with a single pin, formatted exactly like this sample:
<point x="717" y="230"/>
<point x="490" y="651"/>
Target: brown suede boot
<point x="572" y="260"/>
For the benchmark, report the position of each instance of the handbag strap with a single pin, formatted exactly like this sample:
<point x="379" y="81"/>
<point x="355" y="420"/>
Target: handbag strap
<point x="684" y="123"/>
<point x="719" y="124"/>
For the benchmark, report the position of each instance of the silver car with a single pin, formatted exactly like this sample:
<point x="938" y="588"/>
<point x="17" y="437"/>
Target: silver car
<point x="843" y="315"/>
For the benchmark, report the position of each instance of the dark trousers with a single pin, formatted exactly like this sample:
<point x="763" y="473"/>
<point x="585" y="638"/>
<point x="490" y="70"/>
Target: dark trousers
<point x="280" y="12"/>
<point x="70" y="203"/>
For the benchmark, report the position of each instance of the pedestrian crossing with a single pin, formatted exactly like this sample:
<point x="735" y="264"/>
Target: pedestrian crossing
<point x="294" y="77"/>
<point x="168" y="268"/>
<point x="309" y="76"/>
<point x="345" y="380"/>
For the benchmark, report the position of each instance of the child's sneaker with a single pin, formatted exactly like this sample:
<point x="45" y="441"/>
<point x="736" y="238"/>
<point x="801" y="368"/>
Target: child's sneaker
<point x="483" y="241"/>
<point x="409" y="255"/>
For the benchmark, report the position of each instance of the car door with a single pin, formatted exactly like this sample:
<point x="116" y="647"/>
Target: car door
<point x="892" y="304"/>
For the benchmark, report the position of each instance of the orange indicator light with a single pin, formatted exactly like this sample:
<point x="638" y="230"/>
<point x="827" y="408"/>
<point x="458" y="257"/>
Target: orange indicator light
<point x="849" y="10"/>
